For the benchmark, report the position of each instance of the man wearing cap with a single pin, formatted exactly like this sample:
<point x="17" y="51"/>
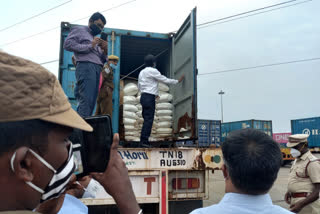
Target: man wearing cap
<point x="304" y="179"/>
<point x="148" y="81"/>
<point x="90" y="54"/>
<point x="104" y="101"/>
<point x="36" y="157"/>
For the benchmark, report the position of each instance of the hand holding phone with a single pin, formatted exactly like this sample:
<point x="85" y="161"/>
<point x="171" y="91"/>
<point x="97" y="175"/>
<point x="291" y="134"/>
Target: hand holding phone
<point x="92" y="149"/>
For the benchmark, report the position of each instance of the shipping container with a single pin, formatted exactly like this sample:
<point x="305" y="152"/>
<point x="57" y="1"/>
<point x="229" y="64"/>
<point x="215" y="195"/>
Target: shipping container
<point x="309" y="126"/>
<point x="281" y="138"/>
<point x="176" y="56"/>
<point x="209" y="132"/>
<point x="263" y="125"/>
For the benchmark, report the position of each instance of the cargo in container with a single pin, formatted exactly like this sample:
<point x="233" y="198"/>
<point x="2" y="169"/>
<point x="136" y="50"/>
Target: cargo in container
<point x="263" y="125"/>
<point x="309" y="126"/>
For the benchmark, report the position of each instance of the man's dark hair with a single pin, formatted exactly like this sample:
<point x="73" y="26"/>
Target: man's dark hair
<point x="29" y="133"/>
<point x="253" y="160"/>
<point x="149" y="60"/>
<point x="97" y="16"/>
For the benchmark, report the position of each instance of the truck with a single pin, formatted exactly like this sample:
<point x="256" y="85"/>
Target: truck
<point x="311" y="127"/>
<point x="165" y="180"/>
<point x="263" y="125"/>
<point x="282" y="139"/>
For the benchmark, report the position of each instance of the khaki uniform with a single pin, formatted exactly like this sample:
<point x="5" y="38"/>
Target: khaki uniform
<point x="104" y="100"/>
<point x="302" y="180"/>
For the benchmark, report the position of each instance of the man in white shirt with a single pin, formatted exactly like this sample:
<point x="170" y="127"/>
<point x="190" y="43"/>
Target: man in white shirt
<point x="148" y="86"/>
<point x="252" y="160"/>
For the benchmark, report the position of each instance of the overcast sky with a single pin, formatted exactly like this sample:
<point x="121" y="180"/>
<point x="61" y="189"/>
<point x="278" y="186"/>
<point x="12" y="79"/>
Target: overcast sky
<point x="277" y="93"/>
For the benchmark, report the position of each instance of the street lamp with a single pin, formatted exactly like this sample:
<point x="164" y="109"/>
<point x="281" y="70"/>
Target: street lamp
<point x="221" y="93"/>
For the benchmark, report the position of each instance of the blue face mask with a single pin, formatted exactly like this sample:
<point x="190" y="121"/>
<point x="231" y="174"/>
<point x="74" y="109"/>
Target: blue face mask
<point x="113" y="66"/>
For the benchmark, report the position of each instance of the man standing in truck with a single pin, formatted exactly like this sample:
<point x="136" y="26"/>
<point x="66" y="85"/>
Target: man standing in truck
<point x="90" y="54"/>
<point x="148" y="81"/>
<point x="304" y="179"/>
<point x="104" y="101"/>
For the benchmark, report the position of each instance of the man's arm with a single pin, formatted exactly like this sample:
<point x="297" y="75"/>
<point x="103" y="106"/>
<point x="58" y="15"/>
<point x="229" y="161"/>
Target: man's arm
<point x="72" y="42"/>
<point x="161" y="78"/>
<point x="116" y="182"/>
<point x="297" y="207"/>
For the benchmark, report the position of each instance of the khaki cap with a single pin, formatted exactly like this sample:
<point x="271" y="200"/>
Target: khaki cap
<point x="29" y="91"/>
<point x="297" y="139"/>
<point x="113" y="57"/>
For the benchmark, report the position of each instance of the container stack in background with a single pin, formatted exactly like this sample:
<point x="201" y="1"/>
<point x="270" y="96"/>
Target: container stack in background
<point x="132" y="114"/>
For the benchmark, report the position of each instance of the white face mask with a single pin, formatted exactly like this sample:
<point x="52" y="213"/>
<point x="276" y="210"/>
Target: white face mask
<point x="295" y="153"/>
<point x="59" y="180"/>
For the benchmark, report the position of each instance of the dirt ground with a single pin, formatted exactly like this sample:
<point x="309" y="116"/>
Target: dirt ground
<point x="217" y="186"/>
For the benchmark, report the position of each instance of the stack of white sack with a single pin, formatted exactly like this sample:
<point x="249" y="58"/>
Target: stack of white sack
<point x="132" y="114"/>
<point x="130" y="110"/>
<point x="164" y="112"/>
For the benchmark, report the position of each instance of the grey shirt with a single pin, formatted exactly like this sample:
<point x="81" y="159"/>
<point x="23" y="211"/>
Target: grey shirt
<point x="79" y="41"/>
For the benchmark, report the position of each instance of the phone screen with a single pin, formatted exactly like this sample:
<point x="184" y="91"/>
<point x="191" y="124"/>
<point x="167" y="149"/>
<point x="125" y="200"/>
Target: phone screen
<point x="77" y="159"/>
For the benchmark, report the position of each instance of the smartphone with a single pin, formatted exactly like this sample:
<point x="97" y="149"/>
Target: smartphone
<point x="103" y="36"/>
<point x="92" y="149"/>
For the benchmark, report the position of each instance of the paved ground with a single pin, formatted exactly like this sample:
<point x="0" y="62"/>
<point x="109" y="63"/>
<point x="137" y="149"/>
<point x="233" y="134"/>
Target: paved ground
<point x="217" y="185"/>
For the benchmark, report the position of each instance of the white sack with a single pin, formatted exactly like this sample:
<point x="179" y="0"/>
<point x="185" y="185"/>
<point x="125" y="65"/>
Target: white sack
<point x="163" y="87"/>
<point x="130" y="107"/>
<point x="130" y="100"/>
<point x="164" y="118"/>
<point x="164" y="106"/>
<point x="130" y="89"/>
<point x="128" y="121"/>
<point x="161" y="113"/>
<point x="165" y="98"/>
<point x="164" y="124"/>
<point x="130" y="115"/>
<point x="164" y="131"/>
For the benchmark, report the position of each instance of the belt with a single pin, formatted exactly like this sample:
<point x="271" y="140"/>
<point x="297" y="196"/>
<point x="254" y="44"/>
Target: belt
<point x="299" y="194"/>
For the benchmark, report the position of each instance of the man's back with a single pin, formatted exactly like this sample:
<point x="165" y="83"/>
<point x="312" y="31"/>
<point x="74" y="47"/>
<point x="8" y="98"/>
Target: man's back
<point x="234" y="203"/>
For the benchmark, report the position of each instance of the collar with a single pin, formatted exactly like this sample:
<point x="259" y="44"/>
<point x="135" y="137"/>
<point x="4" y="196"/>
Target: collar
<point x="236" y="198"/>
<point x="305" y="155"/>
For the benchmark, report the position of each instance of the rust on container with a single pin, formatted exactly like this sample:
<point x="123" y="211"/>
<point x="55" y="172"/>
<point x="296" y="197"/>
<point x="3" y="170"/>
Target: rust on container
<point x="186" y="121"/>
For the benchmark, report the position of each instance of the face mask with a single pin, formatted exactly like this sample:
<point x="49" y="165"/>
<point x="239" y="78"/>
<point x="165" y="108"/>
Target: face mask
<point x="113" y="66"/>
<point x="95" y="29"/>
<point x="59" y="180"/>
<point x="295" y="153"/>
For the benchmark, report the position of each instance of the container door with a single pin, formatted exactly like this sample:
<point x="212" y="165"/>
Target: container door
<point x="66" y="74"/>
<point x="184" y="62"/>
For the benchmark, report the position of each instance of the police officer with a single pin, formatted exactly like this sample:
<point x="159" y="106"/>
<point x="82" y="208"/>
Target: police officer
<point x="104" y="100"/>
<point x="304" y="179"/>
